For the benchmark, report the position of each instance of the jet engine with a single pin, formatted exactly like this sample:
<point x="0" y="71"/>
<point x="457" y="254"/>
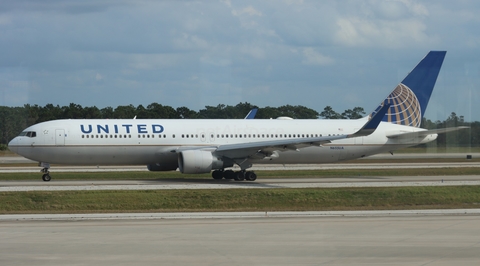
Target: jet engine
<point x="198" y="162"/>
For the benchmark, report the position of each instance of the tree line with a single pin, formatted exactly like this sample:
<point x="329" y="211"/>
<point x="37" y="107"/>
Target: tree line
<point x="14" y="119"/>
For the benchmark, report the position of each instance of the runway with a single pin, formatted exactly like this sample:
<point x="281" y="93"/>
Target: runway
<point x="164" y="184"/>
<point x="340" y="240"/>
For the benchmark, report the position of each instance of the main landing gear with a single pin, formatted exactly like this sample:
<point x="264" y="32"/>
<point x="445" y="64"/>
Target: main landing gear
<point x="46" y="173"/>
<point x="237" y="176"/>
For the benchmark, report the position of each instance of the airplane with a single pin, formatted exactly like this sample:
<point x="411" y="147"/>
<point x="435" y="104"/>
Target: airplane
<point x="197" y="146"/>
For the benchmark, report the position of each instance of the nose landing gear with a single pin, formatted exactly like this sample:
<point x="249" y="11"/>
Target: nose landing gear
<point x="46" y="177"/>
<point x="46" y="173"/>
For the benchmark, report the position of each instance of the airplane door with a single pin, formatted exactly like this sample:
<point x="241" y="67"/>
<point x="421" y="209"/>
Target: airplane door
<point x="59" y="137"/>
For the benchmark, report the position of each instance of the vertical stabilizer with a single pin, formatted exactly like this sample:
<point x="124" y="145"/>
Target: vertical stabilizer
<point x="409" y="100"/>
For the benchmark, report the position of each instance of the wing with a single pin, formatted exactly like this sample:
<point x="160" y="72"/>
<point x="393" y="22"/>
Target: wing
<point x="262" y="149"/>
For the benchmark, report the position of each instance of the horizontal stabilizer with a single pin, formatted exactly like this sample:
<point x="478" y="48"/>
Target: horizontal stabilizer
<point x="423" y="133"/>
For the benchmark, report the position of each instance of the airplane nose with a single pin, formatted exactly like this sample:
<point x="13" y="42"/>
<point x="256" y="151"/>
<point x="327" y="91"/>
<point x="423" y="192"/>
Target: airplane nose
<point x="12" y="145"/>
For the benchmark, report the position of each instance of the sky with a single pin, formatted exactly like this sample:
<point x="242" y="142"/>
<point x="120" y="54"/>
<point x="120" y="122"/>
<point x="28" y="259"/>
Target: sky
<point x="341" y="54"/>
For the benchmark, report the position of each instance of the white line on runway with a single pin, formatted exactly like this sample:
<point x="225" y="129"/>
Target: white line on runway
<point x="230" y="215"/>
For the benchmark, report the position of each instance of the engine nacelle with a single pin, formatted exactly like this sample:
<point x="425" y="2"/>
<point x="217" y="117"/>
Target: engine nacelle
<point x="162" y="167"/>
<point x="198" y="162"/>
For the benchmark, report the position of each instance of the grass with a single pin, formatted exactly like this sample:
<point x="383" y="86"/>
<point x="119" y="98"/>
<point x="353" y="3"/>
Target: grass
<point x="318" y="199"/>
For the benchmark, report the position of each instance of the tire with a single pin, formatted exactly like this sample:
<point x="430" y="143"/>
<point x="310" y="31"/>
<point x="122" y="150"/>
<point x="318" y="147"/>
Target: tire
<point x="239" y="176"/>
<point x="46" y="177"/>
<point x="217" y="175"/>
<point x="229" y="174"/>
<point x="251" y="176"/>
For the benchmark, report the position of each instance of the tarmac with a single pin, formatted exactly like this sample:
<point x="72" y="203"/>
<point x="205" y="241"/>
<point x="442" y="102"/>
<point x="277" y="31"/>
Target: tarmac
<point x="388" y="239"/>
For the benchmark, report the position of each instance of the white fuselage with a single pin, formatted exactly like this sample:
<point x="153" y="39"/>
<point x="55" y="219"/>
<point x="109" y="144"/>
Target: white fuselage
<point x="150" y="141"/>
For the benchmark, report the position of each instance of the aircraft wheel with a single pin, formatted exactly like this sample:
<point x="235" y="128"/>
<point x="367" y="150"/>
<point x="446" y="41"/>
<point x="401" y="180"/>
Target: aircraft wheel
<point x="239" y="176"/>
<point x="46" y="177"/>
<point x="217" y="175"/>
<point x="229" y="174"/>
<point x="251" y="176"/>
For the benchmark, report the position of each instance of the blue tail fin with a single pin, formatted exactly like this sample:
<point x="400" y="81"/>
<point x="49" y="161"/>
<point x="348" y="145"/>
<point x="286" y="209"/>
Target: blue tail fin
<point x="410" y="98"/>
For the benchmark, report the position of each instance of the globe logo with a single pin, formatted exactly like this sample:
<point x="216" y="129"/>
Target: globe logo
<point x="404" y="109"/>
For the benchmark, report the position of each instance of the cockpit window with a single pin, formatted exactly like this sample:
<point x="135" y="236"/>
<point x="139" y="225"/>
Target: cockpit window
<point x="30" y="134"/>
